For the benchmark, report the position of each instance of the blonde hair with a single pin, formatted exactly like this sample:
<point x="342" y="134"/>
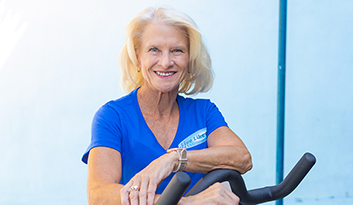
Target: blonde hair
<point x="200" y="76"/>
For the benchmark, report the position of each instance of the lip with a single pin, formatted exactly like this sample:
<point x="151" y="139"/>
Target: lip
<point x="165" y="77"/>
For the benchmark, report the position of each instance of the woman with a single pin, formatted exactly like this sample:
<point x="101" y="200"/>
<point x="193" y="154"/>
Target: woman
<point x="130" y="160"/>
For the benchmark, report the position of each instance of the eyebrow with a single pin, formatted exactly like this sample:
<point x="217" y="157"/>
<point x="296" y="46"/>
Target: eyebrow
<point x="180" y="47"/>
<point x="157" y="46"/>
<point x="186" y="49"/>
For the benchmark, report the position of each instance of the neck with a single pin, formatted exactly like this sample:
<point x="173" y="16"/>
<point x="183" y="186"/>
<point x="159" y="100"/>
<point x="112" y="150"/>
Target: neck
<point x="158" y="104"/>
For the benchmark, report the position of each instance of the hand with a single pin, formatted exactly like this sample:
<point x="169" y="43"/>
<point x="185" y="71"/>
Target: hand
<point x="215" y="194"/>
<point x="148" y="180"/>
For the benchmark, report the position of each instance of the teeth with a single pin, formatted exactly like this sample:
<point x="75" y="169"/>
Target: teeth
<point x="165" y="74"/>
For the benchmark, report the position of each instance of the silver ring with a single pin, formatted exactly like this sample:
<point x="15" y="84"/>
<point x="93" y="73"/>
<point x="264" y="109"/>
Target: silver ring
<point x="134" y="188"/>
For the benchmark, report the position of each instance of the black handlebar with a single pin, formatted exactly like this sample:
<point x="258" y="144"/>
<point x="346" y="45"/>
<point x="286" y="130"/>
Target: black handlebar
<point x="237" y="184"/>
<point x="261" y="195"/>
<point x="175" y="189"/>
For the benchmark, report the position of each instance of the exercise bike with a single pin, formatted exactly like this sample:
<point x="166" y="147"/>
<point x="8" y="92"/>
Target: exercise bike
<point x="181" y="181"/>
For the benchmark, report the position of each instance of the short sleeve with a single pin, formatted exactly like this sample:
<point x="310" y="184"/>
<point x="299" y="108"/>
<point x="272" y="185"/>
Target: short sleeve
<point x="214" y="118"/>
<point x="105" y="130"/>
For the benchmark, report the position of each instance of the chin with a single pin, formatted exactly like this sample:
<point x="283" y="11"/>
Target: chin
<point x="167" y="89"/>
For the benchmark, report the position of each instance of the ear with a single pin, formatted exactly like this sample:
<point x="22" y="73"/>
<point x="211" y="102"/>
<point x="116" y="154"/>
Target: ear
<point x="138" y="60"/>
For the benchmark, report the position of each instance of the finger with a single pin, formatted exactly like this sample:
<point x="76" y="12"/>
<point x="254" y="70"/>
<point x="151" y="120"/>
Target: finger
<point x="124" y="193"/>
<point x="228" y="196"/>
<point x="134" y="194"/>
<point x="151" y="192"/>
<point x="234" y="198"/>
<point x="134" y="197"/>
<point x="143" y="191"/>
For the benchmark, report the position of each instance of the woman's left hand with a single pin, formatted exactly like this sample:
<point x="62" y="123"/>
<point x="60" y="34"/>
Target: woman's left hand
<point x="147" y="181"/>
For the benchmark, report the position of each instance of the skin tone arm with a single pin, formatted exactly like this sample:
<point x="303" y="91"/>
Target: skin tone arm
<point x="223" y="144"/>
<point x="104" y="172"/>
<point x="226" y="145"/>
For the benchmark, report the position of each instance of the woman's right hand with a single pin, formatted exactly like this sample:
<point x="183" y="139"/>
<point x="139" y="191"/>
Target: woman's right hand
<point x="215" y="194"/>
<point x="148" y="180"/>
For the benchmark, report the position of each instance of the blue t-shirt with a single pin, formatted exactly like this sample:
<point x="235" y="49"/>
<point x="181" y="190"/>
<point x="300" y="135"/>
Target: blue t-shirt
<point x="119" y="124"/>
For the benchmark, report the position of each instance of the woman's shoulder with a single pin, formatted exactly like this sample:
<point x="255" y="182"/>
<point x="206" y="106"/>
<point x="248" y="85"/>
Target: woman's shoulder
<point x="120" y="104"/>
<point x="195" y="104"/>
<point x="190" y="100"/>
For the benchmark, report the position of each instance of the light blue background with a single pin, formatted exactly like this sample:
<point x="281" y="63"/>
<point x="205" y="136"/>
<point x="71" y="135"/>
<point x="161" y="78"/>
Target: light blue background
<point x="58" y="66"/>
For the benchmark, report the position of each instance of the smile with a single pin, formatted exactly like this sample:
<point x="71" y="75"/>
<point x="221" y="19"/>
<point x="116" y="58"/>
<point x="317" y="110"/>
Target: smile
<point x="165" y="74"/>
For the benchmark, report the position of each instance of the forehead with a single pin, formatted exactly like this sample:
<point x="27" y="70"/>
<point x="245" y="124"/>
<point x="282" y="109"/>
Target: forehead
<point x="161" y="34"/>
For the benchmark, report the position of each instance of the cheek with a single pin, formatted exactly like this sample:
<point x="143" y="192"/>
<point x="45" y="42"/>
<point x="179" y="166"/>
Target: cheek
<point x="186" y="63"/>
<point x="149" y="62"/>
<point x="182" y="61"/>
<point x="146" y="68"/>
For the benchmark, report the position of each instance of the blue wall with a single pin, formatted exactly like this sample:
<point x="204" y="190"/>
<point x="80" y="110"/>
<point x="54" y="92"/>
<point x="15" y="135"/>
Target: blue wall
<point x="58" y="65"/>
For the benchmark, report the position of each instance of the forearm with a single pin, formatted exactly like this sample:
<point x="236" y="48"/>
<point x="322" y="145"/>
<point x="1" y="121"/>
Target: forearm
<point x="221" y="157"/>
<point x="103" y="176"/>
<point x="104" y="194"/>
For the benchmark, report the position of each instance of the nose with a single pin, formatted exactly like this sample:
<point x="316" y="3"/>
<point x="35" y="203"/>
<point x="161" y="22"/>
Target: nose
<point x="165" y="61"/>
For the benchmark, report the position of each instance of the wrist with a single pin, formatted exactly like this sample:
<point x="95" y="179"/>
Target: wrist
<point x="174" y="159"/>
<point x="182" y="158"/>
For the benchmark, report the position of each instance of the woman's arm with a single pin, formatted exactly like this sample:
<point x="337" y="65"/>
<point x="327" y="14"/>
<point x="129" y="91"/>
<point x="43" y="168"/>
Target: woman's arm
<point x="226" y="150"/>
<point x="104" y="173"/>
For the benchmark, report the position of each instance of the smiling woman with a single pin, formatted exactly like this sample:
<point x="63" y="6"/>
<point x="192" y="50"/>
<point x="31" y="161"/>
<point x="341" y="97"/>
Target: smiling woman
<point x="141" y="139"/>
<point x="200" y="78"/>
<point x="163" y="57"/>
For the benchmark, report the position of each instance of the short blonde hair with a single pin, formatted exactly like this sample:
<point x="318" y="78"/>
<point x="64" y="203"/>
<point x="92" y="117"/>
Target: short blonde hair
<point x="200" y="75"/>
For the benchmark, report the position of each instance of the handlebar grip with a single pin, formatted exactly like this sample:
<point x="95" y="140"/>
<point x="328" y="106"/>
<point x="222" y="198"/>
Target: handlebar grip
<point x="175" y="189"/>
<point x="261" y="195"/>
<point x="295" y="176"/>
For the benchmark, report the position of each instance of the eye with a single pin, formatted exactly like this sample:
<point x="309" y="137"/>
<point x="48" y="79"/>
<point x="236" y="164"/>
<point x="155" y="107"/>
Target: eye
<point x="153" y="49"/>
<point x="178" y="51"/>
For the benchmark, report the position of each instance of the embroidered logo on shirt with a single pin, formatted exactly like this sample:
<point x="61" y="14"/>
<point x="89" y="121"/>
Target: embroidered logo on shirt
<point x="194" y="139"/>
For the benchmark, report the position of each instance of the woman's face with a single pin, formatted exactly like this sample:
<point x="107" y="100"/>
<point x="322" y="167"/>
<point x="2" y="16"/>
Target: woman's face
<point x="163" y="57"/>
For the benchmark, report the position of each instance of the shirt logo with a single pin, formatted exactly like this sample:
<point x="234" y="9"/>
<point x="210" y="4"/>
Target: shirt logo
<point x="194" y="139"/>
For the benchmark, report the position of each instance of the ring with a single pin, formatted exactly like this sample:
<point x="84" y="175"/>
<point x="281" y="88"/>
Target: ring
<point x="134" y="188"/>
